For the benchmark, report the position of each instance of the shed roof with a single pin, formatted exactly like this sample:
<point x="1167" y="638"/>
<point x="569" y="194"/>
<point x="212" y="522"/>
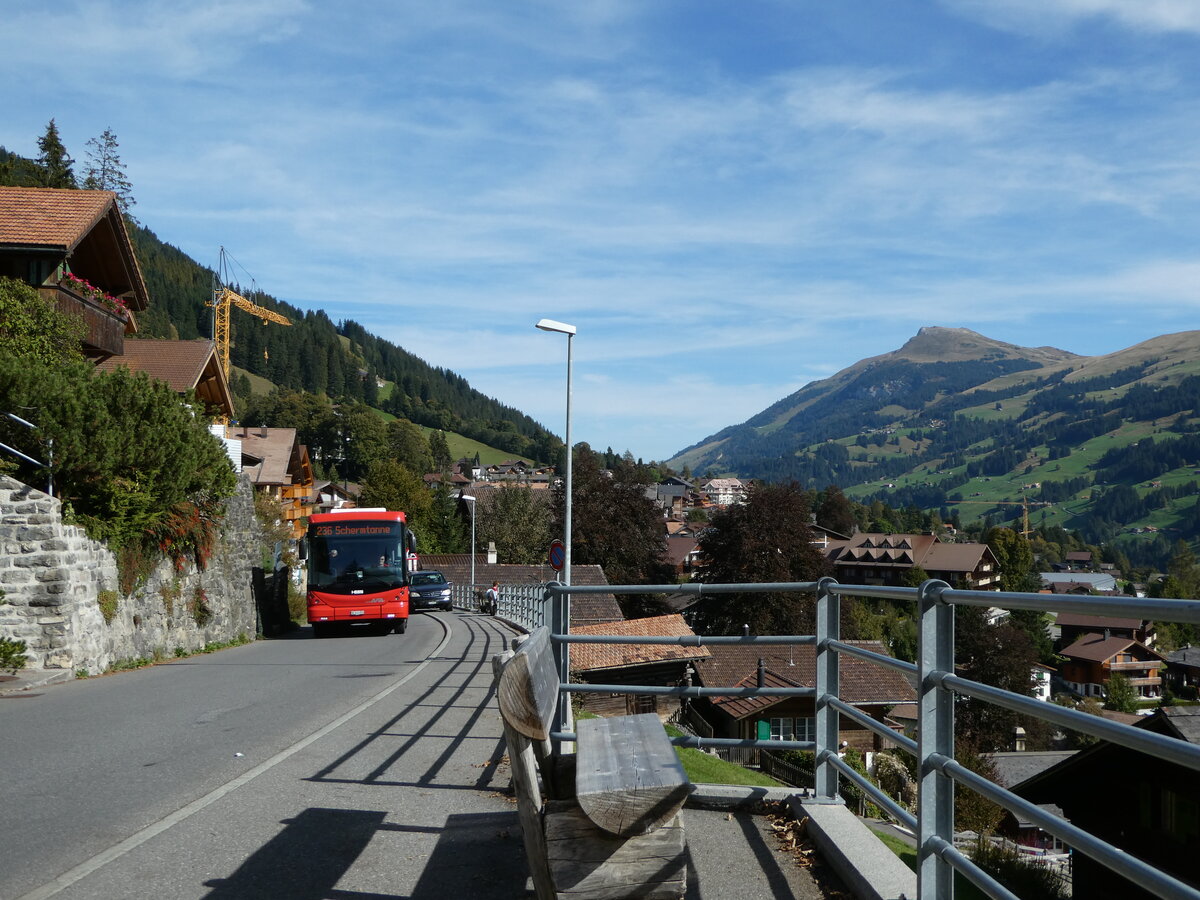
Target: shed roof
<point x="589" y="657"/>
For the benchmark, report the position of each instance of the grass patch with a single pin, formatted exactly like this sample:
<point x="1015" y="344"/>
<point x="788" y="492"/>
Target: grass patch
<point x="701" y="768"/>
<point x="963" y="889"/>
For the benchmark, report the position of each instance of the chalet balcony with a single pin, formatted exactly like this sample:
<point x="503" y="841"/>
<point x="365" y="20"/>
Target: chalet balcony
<point x="106" y="328"/>
<point x="1136" y="666"/>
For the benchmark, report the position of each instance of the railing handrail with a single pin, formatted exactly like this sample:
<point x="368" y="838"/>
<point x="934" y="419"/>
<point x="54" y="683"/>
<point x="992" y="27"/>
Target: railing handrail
<point x="938" y="685"/>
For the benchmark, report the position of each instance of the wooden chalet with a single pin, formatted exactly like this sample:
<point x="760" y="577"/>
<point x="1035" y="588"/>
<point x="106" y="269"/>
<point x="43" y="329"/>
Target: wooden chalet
<point x="1093" y="658"/>
<point x="872" y="689"/>
<point x="61" y="240"/>
<point x="278" y="465"/>
<point x="1147" y="806"/>
<point x="887" y="559"/>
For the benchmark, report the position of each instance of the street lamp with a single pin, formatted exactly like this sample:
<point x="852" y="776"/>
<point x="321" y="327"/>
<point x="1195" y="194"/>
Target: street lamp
<point x="471" y="500"/>
<point x="562" y="716"/>
<point x="569" y="331"/>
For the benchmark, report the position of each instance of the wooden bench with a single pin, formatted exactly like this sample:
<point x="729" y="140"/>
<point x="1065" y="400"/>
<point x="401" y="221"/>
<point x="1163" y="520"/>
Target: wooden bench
<point x="604" y="823"/>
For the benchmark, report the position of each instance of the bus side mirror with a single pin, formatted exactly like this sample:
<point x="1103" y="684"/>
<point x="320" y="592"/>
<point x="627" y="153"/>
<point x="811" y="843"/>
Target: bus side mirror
<point x="302" y="549"/>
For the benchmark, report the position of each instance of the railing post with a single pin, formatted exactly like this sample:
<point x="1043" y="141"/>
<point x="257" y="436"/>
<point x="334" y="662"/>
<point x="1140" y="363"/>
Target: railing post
<point x="935" y="735"/>
<point x="560" y="612"/>
<point x="828" y="618"/>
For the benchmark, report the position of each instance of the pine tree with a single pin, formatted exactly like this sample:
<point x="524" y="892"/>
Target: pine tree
<point x="106" y="172"/>
<point x="54" y="161"/>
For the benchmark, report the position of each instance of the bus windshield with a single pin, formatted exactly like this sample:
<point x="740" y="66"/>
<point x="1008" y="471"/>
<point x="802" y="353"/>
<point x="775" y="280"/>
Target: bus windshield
<point x="356" y="557"/>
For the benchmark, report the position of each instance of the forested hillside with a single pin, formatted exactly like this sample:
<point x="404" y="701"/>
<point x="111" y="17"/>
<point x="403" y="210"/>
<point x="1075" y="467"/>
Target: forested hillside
<point x="341" y="360"/>
<point x="971" y="428"/>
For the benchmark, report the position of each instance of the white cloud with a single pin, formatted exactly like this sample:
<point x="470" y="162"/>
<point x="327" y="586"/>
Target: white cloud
<point x="1050" y="16"/>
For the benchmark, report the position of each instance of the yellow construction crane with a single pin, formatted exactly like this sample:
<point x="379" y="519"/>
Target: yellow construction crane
<point x="1025" y="503"/>
<point x="223" y="300"/>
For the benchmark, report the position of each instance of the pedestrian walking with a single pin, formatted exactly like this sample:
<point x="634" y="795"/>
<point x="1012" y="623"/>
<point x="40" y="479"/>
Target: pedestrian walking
<point x="493" y="598"/>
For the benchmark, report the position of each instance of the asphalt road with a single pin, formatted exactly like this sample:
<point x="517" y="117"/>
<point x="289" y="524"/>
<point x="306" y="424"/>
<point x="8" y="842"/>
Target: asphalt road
<point x="358" y="766"/>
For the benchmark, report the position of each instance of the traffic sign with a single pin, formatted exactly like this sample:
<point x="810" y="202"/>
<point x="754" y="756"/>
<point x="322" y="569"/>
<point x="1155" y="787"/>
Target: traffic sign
<point x="558" y="555"/>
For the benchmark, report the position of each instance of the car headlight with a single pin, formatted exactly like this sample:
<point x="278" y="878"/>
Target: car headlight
<point x="446" y="593"/>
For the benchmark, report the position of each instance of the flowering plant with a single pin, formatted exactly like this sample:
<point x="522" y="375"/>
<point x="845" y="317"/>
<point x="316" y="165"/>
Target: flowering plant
<point x="86" y="289"/>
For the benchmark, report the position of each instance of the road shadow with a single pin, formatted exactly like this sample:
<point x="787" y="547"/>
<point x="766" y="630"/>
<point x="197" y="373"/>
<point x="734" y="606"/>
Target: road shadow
<point x="477" y="855"/>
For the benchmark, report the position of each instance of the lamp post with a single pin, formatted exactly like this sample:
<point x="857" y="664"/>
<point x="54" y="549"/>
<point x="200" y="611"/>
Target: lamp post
<point x="562" y="715"/>
<point x="471" y="500"/>
<point x="569" y="331"/>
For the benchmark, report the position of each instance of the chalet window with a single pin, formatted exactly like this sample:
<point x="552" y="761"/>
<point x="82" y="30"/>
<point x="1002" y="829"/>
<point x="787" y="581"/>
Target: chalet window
<point x="1180" y="817"/>
<point x="783" y="729"/>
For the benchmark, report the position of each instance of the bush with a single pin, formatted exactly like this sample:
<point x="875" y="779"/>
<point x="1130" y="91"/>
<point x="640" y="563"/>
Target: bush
<point x="1025" y="878"/>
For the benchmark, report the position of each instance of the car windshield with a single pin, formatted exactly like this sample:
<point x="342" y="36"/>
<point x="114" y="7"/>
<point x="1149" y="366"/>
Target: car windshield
<point x="423" y="578"/>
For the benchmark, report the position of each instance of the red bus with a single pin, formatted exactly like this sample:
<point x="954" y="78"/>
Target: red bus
<point x="358" y="566"/>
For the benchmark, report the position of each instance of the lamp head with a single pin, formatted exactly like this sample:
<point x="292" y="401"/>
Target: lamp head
<point x="560" y="327"/>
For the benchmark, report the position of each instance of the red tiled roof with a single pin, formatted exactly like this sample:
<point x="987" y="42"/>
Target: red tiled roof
<point x="62" y="219"/>
<point x="50" y="217"/>
<point x="587" y="657"/>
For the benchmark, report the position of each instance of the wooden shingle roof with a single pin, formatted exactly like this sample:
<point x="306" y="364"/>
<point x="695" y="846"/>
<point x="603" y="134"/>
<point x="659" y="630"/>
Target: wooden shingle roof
<point x="795" y="666"/>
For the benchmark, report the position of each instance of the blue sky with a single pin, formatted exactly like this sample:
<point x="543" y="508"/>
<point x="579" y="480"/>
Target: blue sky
<point x="728" y="199"/>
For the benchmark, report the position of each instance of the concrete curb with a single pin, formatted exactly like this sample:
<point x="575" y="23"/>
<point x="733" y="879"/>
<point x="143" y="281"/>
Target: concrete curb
<point x="869" y="869"/>
<point x="32" y="679"/>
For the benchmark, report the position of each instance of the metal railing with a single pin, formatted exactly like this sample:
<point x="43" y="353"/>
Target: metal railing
<point x="523" y="605"/>
<point x="938" y="689"/>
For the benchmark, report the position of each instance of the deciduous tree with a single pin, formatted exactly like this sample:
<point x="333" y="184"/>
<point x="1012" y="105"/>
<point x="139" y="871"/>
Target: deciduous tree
<point x="33" y="328"/>
<point x="765" y="539"/>
<point x="616" y="527"/>
<point x="519" y="521"/>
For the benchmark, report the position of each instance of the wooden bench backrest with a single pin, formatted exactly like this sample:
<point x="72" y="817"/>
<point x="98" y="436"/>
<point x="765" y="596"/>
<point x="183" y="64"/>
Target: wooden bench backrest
<point x="527" y="691"/>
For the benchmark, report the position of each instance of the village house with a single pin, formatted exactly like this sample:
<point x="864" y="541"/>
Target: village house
<point x="1073" y="626"/>
<point x="887" y="559"/>
<point x="1147" y="806"/>
<point x="1093" y="658"/>
<point x="73" y="248"/>
<point x="278" y="466"/>
<point x="1183" y="671"/>
<point x="872" y="689"/>
<point x="724" y="491"/>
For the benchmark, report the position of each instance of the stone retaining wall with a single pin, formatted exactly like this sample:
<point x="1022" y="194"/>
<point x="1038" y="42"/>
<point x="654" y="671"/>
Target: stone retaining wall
<point x="53" y="577"/>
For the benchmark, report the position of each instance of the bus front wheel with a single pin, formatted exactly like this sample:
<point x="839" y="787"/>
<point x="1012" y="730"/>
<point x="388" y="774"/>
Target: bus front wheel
<point x="401" y="626"/>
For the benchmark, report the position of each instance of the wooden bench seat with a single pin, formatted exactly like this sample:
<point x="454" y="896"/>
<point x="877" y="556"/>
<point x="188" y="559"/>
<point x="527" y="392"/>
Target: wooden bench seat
<point x="610" y="824"/>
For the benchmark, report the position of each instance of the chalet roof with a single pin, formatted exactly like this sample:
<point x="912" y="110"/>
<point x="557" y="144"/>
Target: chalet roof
<point x="586" y="609"/>
<point x="61" y="221"/>
<point x="268" y="453"/>
<point x="1185" y="656"/>
<point x="1097" y="648"/>
<point x="906" y="551"/>
<point x="795" y="666"/>
<point x="1182" y="722"/>
<point x="183" y="365"/>
<point x="1096" y="623"/>
<point x="1016" y="766"/>
<point x="678" y="548"/>
<point x="1097" y="581"/>
<point x="590" y="657"/>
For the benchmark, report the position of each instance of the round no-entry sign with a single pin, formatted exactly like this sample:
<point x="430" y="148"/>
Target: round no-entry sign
<point x="558" y="555"/>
